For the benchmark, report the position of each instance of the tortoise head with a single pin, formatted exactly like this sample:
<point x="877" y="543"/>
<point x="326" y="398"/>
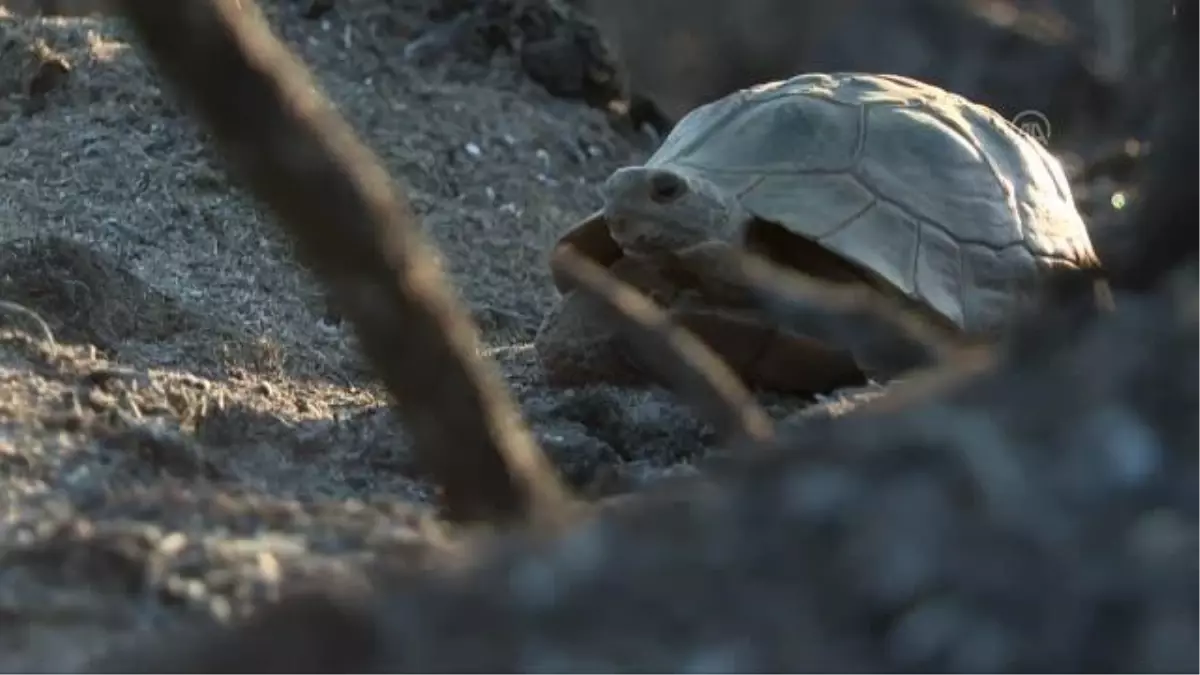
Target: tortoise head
<point x="649" y="210"/>
<point x="656" y="209"/>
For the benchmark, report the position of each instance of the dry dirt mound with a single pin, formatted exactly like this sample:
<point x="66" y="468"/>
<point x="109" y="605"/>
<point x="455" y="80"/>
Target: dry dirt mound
<point x="193" y="392"/>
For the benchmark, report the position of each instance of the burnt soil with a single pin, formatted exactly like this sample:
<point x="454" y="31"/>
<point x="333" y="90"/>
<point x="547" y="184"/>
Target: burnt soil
<point x="187" y="430"/>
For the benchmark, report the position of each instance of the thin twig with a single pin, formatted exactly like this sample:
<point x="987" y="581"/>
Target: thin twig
<point x="687" y="365"/>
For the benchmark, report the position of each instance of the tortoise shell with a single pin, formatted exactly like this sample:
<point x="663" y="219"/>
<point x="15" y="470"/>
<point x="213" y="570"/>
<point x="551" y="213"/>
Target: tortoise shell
<point x="915" y="189"/>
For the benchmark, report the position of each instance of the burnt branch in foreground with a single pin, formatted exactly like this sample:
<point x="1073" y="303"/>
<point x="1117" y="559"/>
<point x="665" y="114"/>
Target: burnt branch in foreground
<point x="1039" y="516"/>
<point x="355" y="228"/>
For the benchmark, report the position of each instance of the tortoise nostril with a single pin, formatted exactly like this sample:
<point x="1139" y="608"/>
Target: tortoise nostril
<point x="666" y="187"/>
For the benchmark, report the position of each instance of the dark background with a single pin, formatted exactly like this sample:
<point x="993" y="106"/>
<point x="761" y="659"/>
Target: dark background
<point x="1082" y="63"/>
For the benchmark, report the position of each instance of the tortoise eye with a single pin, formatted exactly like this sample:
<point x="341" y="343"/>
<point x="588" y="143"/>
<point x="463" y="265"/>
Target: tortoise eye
<point x="666" y="187"/>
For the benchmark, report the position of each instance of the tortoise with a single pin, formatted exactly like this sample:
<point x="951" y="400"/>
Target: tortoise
<point x="876" y="179"/>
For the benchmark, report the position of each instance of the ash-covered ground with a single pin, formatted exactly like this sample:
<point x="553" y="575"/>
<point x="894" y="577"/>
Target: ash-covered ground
<point x="188" y="429"/>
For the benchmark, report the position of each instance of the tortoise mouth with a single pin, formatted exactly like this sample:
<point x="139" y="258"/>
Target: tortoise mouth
<point x="589" y="238"/>
<point x="593" y="239"/>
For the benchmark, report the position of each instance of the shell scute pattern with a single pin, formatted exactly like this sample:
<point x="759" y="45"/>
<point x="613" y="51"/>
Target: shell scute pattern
<point x="938" y="196"/>
<point x="766" y="136"/>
